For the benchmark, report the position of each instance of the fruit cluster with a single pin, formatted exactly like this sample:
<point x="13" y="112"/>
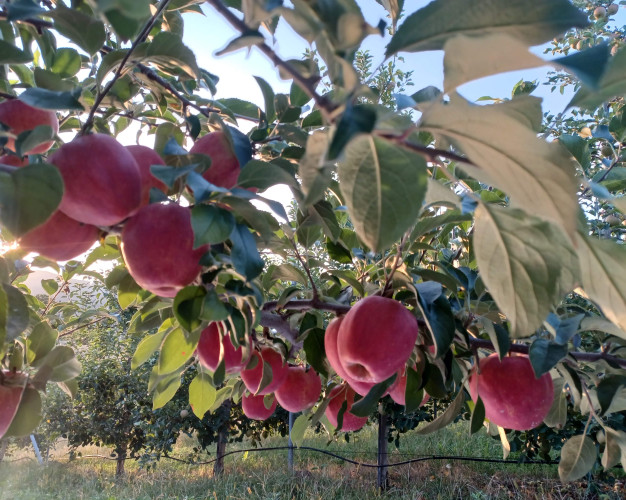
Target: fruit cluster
<point x="106" y="184"/>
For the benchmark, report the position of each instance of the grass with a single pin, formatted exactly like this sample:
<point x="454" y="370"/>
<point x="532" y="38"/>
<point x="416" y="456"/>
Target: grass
<point x="265" y="475"/>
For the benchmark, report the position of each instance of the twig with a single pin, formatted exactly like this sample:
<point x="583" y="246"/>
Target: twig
<point x="309" y="85"/>
<point x="431" y="154"/>
<point x="54" y="296"/>
<point x="396" y="263"/>
<point x="118" y="72"/>
<point x="307" y="270"/>
<point x="69" y="332"/>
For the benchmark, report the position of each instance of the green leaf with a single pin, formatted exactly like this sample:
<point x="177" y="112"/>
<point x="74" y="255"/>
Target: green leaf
<point x="244" y="252"/>
<point x="478" y="416"/>
<point x="557" y="416"/>
<point x="413" y="393"/>
<point x="17" y="312"/>
<point x="612" y="84"/>
<point x="314" y="350"/>
<point x="545" y="354"/>
<point x="446" y="417"/>
<point x="268" y="96"/>
<point x="262" y="175"/>
<point x="211" y="224"/>
<point x="202" y="395"/>
<point x="298" y="429"/>
<point x="188" y="307"/>
<point x="359" y="119"/>
<point x="128" y="291"/>
<point x="588" y="65"/>
<point x="526" y="264"/>
<point x="40" y="341"/>
<point x="58" y="366"/>
<point x="577" y="458"/>
<point x="52" y="99"/>
<point x="365" y="406"/>
<point x="297" y="96"/>
<point x="28" y="196"/>
<point x="85" y="31"/>
<point x="438" y="315"/>
<point x="146" y="348"/>
<point x="23" y="9"/>
<point x="609" y="391"/>
<point x="178" y="347"/>
<point x="246" y="40"/>
<point x="314" y="169"/>
<point x="31" y="138"/>
<point x="241" y="107"/>
<point x="578" y="147"/>
<point x="10" y="54"/>
<point x="531" y="21"/>
<point x="28" y="414"/>
<point x="615" y="449"/>
<point x="169" y="53"/>
<point x="66" y="62"/>
<point x="603" y="276"/>
<point x="164" y="390"/>
<point x="213" y="309"/>
<point x="507" y="154"/>
<point x="382" y="182"/>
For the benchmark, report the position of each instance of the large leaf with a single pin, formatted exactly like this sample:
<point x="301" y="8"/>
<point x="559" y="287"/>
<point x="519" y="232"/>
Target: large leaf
<point x="10" y="54"/>
<point x="244" y="252"/>
<point x="526" y="263"/>
<point x="612" y="84"/>
<point x="28" y="196"/>
<point x="85" y="31"/>
<point x="603" y="276"/>
<point x="446" y="417"/>
<point x="202" y="394"/>
<point x="507" y="154"/>
<point x="531" y="21"/>
<point x="167" y="51"/>
<point x="577" y="458"/>
<point x="177" y="349"/>
<point x="384" y="186"/>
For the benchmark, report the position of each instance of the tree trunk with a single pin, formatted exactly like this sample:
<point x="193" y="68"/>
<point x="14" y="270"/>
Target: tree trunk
<point x="4" y="444"/>
<point x="222" y="439"/>
<point x="121" y="459"/>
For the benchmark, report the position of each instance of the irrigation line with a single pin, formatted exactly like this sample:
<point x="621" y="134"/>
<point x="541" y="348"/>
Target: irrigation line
<point x="350" y="461"/>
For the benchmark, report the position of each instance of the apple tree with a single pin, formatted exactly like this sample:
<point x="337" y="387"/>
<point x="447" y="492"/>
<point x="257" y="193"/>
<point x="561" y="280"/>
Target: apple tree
<point x="424" y="236"/>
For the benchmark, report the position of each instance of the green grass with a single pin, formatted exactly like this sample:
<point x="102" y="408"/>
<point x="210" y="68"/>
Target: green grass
<point x="265" y="475"/>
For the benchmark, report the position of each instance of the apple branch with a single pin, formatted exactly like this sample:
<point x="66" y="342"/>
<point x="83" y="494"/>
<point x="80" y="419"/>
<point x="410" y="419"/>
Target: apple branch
<point x="431" y="154"/>
<point x="309" y="85"/>
<point x="118" y="72"/>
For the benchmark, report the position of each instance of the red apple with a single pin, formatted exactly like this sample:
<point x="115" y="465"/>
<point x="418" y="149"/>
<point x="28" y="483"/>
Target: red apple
<point x="102" y="180"/>
<point x="252" y="377"/>
<point x="225" y="168"/>
<point x="60" y="238"/>
<point x="398" y="390"/>
<point x="337" y="396"/>
<point x="214" y="346"/>
<point x="157" y="245"/>
<point x="330" y="345"/>
<point x="145" y="158"/>
<point x="513" y="397"/>
<point x="11" y="390"/>
<point x="254" y="407"/>
<point x="300" y="390"/>
<point x="376" y="339"/>
<point x="20" y="117"/>
<point x="14" y="161"/>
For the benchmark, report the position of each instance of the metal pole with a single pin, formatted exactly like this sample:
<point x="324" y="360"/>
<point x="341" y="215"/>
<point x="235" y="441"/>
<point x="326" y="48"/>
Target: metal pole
<point x="383" y="425"/>
<point x="290" y="451"/>
<point x="34" y="441"/>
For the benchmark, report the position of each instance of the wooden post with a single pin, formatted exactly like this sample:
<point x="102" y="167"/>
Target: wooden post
<point x="290" y="451"/>
<point x="383" y="428"/>
<point x="222" y="439"/>
<point x="121" y="459"/>
<point x="36" y="447"/>
<point x="4" y="444"/>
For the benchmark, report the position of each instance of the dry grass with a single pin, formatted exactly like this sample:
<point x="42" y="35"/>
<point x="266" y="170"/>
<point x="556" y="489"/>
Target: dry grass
<point x="265" y="475"/>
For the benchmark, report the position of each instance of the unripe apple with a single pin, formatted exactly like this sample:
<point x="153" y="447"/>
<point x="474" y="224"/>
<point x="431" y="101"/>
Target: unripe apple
<point x="513" y="397"/>
<point x="13" y="160"/>
<point x="585" y="132"/>
<point x="20" y="117"/>
<point x="612" y="220"/>
<point x="300" y="390"/>
<point x="599" y="12"/>
<point x="398" y="390"/>
<point x="157" y="245"/>
<point x="145" y="158"/>
<point x="337" y="397"/>
<point x="254" y="407"/>
<point x="612" y="9"/>
<point x="375" y="339"/>
<point x="11" y="390"/>
<point x="225" y="168"/>
<point x="101" y="177"/>
<point x="60" y="238"/>
<point x="330" y="346"/>
<point x="184" y="413"/>
<point x="213" y="346"/>
<point x="606" y="150"/>
<point x="252" y="377"/>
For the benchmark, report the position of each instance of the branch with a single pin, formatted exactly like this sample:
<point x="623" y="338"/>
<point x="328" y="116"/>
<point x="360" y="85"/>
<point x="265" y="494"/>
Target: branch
<point x="118" y="73"/>
<point x="309" y="85"/>
<point x="431" y="154"/>
<point x="72" y="330"/>
<point x="279" y="324"/>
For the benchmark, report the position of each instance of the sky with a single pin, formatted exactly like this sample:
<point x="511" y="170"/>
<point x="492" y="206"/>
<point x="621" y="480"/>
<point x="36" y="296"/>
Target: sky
<point x="206" y="35"/>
